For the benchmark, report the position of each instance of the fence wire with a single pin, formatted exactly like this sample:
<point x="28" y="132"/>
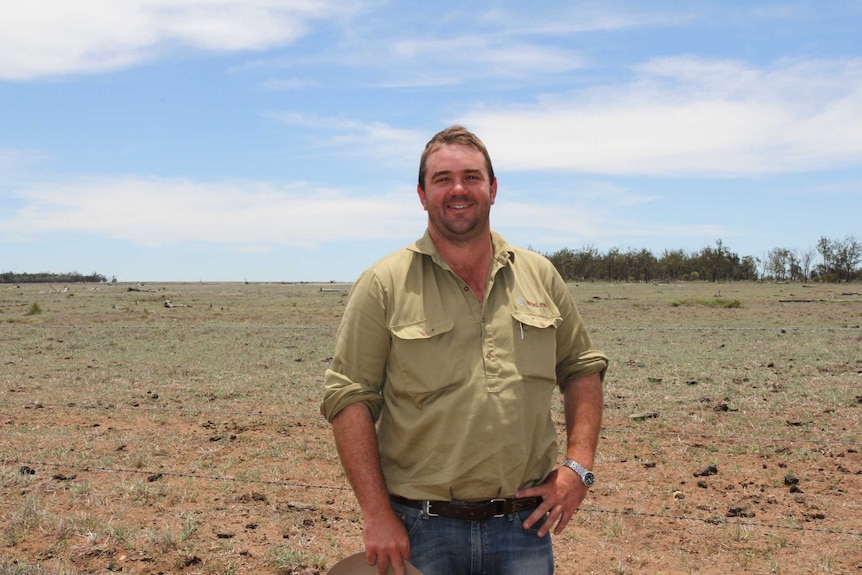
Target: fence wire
<point x="11" y="460"/>
<point x="154" y="475"/>
<point x="184" y="411"/>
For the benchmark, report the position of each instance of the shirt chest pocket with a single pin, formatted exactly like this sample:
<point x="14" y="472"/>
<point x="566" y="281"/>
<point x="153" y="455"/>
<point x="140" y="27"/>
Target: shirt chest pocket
<point x="424" y="356"/>
<point x="535" y="338"/>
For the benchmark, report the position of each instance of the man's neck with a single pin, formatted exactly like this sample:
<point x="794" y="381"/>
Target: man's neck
<point x="469" y="260"/>
<point x="460" y="254"/>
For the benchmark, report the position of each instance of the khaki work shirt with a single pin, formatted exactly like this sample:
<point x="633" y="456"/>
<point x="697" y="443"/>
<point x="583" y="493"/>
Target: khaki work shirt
<point x="460" y="391"/>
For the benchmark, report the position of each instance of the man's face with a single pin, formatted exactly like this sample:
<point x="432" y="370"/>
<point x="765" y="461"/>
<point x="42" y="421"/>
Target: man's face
<point x="458" y="193"/>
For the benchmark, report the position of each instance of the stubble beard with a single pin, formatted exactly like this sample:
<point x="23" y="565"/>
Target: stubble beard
<point x="460" y="230"/>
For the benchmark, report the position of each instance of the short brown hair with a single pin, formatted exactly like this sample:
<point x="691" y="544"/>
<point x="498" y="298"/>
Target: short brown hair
<point x="458" y="135"/>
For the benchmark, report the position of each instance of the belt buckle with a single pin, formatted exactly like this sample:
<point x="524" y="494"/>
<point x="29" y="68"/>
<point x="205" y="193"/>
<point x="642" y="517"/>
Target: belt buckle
<point x="499" y="505"/>
<point x="426" y="509"/>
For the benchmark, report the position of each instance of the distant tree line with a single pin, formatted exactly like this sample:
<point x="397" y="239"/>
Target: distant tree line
<point x="829" y="261"/>
<point x="46" y="277"/>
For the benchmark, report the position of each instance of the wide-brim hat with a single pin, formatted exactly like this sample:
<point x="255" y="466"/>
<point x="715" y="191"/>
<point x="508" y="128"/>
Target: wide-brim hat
<point x="358" y="565"/>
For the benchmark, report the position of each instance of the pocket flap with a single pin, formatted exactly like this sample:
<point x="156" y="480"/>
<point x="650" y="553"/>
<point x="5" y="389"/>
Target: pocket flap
<point x="539" y="321"/>
<point x="423" y="329"/>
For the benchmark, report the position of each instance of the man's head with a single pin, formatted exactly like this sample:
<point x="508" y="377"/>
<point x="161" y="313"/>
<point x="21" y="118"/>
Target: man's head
<point x="457" y="187"/>
<point x="453" y="135"/>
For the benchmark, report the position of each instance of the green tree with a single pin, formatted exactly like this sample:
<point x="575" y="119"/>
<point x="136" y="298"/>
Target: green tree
<point x="778" y="263"/>
<point x="840" y="258"/>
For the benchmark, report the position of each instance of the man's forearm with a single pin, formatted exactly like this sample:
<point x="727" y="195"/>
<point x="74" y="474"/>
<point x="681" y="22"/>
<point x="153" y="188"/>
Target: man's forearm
<point x="386" y="540"/>
<point x="356" y="441"/>
<point x="563" y="491"/>
<point x="583" y="404"/>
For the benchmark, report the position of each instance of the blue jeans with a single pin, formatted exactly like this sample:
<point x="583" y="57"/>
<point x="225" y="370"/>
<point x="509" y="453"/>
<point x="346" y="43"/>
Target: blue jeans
<point x="498" y="546"/>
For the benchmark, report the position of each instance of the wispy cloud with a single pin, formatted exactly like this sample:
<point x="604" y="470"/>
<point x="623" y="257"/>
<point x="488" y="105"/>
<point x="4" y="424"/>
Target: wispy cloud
<point x="690" y="115"/>
<point x="44" y="38"/>
<point x="441" y="61"/>
<point x="580" y="18"/>
<point x="287" y="84"/>
<point x="484" y="56"/>
<point x="681" y="116"/>
<point x="255" y="217"/>
<point x="386" y="143"/>
<point x="249" y="215"/>
<point x="12" y="161"/>
<point x="590" y="222"/>
<point x="459" y="46"/>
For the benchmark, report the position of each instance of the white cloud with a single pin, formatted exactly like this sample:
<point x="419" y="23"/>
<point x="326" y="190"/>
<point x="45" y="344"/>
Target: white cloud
<point x="257" y="217"/>
<point x="569" y="18"/>
<point x="455" y="45"/>
<point x="689" y="116"/>
<point x="591" y="218"/>
<point x="385" y="143"/>
<point x="50" y="37"/>
<point x="12" y="161"/>
<point x="613" y="195"/>
<point x="288" y="84"/>
<point x="246" y="215"/>
<point x="483" y="56"/>
<point x="456" y="60"/>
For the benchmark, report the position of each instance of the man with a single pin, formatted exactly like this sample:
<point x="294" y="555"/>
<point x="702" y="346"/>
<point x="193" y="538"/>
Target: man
<point x="441" y="384"/>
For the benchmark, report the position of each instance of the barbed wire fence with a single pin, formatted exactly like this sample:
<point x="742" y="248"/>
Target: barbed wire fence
<point x="22" y="463"/>
<point x="12" y="460"/>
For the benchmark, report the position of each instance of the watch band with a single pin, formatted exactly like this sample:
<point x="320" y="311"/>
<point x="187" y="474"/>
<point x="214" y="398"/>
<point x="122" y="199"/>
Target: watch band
<point x="587" y="476"/>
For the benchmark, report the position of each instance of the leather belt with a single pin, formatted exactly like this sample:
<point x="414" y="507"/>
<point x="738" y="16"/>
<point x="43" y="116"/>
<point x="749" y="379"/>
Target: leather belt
<point x="471" y="510"/>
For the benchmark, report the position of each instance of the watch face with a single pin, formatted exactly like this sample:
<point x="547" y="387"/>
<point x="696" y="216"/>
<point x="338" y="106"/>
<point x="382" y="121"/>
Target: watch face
<point x="589" y="478"/>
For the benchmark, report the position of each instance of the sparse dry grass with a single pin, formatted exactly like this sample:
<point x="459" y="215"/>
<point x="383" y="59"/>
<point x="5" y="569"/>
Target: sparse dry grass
<point x="163" y="439"/>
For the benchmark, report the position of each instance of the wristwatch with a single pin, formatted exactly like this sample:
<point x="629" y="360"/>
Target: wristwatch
<point x="586" y="475"/>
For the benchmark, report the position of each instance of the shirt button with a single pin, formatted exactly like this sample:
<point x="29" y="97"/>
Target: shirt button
<point x="489" y="355"/>
<point x="466" y="288"/>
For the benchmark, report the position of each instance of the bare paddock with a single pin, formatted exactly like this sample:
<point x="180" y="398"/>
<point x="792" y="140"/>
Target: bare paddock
<point x="174" y="428"/>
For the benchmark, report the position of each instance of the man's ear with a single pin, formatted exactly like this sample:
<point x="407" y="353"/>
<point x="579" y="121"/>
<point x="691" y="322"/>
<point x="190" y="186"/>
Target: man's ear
<point x="493" y="191"/>
<point x="421" y="193"/>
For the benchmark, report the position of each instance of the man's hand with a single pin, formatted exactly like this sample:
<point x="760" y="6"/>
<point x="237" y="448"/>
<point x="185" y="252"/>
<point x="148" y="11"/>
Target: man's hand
<point x="563" y="491"/>
<point x="562" y="494"/>
<point x="386" y="541"/>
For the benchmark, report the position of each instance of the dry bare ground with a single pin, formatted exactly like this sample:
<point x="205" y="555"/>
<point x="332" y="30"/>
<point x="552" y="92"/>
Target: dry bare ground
<point x="145" y="437"/>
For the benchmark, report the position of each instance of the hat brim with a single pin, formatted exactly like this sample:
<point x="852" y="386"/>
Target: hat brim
<point x="358" y="565"/>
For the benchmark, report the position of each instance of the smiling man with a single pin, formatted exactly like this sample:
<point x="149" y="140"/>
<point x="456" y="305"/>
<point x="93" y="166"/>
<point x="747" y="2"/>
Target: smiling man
<point x="440" y="388"/>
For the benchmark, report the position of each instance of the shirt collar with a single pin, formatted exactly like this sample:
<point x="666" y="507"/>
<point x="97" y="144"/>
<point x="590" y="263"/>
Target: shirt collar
<point x="503" y="252"/>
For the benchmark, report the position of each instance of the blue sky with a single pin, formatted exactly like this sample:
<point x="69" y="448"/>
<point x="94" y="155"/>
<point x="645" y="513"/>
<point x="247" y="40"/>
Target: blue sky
<point x="279" y="140"/>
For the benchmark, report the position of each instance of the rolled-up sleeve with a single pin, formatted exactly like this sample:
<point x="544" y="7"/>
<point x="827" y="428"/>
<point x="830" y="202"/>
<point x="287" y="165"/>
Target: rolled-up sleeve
<point x="576" y="355"/>
<point x="358" y="367"/>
